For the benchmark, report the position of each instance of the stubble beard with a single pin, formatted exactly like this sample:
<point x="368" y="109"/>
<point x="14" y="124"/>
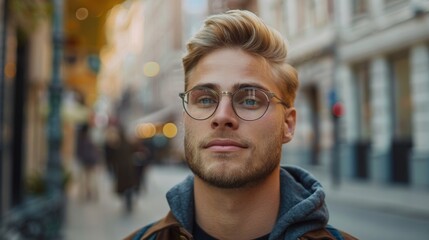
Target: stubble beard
<point x="260" y="163"/>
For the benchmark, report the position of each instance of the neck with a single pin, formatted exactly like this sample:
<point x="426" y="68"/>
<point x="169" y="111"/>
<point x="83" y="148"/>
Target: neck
<point x="245" y="213"/>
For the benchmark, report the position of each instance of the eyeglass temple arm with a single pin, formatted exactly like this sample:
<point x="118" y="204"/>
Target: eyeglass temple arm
<point x="281" y="101"/>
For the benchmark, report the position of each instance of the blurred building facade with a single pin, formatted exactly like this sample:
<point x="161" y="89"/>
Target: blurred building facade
<point x="384" y="59"/>
<point x="374" y="56"/>
<point x="140" y="71"/>
<point x="27" y="71"/>
<point x="26" y="65"/>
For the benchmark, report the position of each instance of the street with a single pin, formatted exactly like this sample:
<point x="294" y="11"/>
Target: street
<point x="373" y="223"/>
<point x="106" y="218"/>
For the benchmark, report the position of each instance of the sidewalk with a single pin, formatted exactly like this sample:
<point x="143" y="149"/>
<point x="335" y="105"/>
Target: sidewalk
<point x="106" y="217"/>
<point x="393" y="198"/>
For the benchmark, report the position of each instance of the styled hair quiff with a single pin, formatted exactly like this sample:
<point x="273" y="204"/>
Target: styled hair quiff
<point x="244" y="30"/>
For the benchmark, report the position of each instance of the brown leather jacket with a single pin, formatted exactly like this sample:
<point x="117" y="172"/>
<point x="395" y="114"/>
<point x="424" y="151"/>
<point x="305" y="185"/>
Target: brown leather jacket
<point x="169" y="228"/>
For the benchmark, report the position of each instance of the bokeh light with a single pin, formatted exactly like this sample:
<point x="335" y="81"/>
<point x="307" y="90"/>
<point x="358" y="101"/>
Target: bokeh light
<point x="145" y="130"/>
<point x="169" y="130"/>
<point x="82" y="14"/>
<point x="151" y="69"/>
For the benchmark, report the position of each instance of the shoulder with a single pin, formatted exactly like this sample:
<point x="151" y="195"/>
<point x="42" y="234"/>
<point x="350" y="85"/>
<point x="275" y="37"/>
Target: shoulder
<point x="137" y="235"/>
<point x="327" y="233"/>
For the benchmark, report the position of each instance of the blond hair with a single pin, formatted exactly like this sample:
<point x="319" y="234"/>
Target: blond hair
<point x="245" y="30"/>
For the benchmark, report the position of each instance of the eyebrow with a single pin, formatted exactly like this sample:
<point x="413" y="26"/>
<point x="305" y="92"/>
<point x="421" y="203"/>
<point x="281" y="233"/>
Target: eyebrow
<point x="245" y="85"/>
<point x="207" y="85"/>
<point x="234" y="87"/>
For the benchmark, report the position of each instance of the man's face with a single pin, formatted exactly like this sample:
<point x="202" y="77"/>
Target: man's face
<point x="224" y="150"/>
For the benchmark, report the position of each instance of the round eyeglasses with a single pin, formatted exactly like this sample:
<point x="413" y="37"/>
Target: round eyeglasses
<point x="248" y="103"/>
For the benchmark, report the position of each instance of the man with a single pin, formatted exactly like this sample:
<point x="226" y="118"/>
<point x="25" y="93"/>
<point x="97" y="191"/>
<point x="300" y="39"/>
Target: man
<point x="238" y="99"/>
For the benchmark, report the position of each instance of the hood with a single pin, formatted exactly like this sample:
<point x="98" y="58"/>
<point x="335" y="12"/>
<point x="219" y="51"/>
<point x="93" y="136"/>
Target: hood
<point x="302" y="206"/>
<point x="181" y="201"/>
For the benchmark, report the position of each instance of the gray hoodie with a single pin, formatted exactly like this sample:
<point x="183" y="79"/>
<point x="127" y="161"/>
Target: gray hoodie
<point x="302" y="206"/>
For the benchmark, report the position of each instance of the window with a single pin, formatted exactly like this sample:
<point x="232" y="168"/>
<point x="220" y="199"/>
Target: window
<point x="280" y="15"/>
<point x="363" y="100"/>
<point x="324" y="12"/>
<point x="313" y="14"/>
<point x="401" y="95"/>
<point x="359" y="9"/>
<point x="301" y="15"/>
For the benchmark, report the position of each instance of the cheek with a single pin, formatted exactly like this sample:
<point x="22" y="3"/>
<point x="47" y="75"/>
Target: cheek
<point x="192" y="129"/>
<point x="264" y="129"/>
<point x="187" y="127"/>
<point x="188" y="122"/>
<point x="273" y="127"/>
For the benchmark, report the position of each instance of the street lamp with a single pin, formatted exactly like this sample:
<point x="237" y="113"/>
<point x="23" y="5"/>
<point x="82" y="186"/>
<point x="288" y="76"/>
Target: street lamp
<point x="53" y="174"/>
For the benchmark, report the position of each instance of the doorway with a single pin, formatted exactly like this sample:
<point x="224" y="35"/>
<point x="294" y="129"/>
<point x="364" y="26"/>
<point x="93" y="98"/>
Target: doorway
<point x="312" y="95"/>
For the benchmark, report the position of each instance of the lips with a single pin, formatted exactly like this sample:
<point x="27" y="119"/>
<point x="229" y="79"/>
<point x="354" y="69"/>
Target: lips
<point x="225" y="145"/>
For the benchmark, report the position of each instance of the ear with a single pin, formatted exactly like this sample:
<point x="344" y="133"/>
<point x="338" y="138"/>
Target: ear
<point x="289" y="122"/>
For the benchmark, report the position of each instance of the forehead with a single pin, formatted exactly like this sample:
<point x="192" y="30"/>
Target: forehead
<point x="229" y="67"/>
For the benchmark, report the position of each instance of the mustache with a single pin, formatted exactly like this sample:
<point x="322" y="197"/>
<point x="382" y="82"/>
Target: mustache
<point x="224" y="135"/>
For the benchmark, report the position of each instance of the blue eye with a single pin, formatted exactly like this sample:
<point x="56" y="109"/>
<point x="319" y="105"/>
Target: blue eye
<point x="203" y="98"/>
<point x="249" y="99"/>
<point x="206" y="100"/>
<point x="250" y="102"/>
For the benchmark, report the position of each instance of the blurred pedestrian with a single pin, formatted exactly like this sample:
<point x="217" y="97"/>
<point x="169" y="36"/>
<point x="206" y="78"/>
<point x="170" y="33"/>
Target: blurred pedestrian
<point x="119" y="155"/>
<point x="239" y="103"/>
<point x="88" y="157"/>
<point x="142" y="159"/>
<point x="111" y="145"/>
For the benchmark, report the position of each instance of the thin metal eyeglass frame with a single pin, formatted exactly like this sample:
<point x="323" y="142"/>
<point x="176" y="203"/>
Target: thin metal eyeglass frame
<point x="268" y="94"/>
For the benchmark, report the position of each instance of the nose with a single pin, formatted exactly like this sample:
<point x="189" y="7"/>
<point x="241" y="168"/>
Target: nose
<point x="224" y="117"/>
